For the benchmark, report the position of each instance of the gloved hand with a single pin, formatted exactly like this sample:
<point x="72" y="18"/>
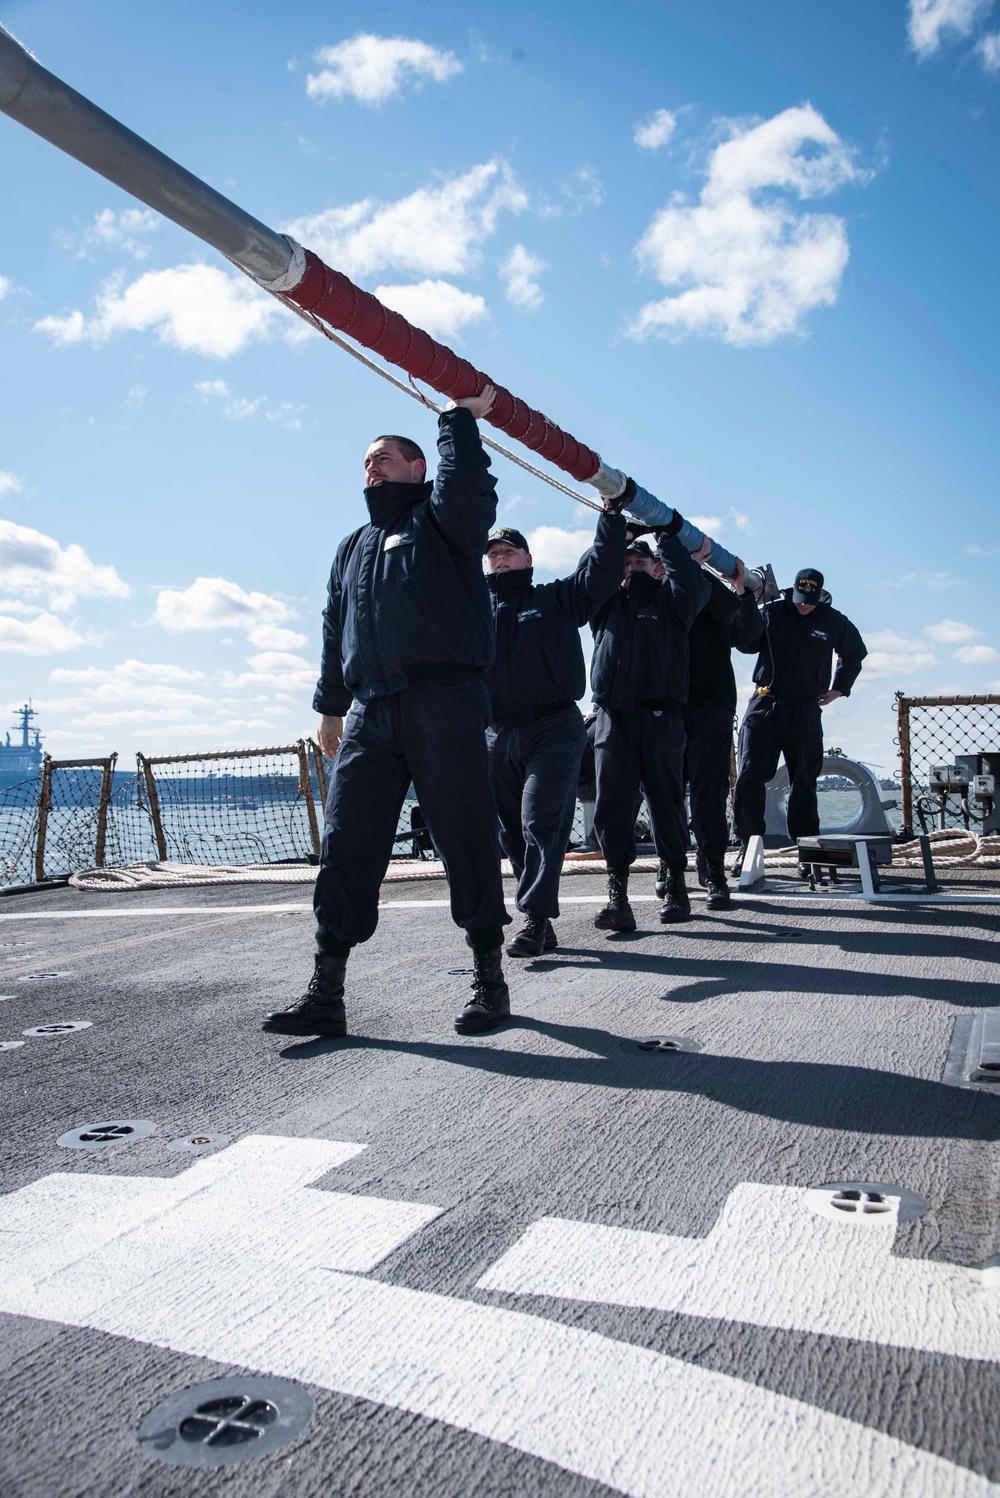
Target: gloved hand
<point x="676" y="521"/>
<point x="615" y="506"/>
<point x="635" y="528"/>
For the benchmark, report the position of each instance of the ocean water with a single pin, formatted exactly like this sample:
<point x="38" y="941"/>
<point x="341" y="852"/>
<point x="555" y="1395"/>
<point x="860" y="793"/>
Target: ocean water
<point x="232" y="832"/>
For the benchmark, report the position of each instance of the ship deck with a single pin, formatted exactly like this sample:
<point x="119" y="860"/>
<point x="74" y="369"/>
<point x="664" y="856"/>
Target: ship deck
<point x="547" y="1260"/>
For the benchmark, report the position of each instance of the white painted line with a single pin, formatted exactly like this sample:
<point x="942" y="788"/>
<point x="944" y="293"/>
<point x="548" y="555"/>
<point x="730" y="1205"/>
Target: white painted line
<point x="234" y="1261"/>
<point x="761" y="893"/>
<point x="770" y="1261"/>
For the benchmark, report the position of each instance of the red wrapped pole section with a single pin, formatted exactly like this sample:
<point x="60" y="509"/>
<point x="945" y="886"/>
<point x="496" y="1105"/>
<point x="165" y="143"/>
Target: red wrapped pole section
<point x="332" y="297"/>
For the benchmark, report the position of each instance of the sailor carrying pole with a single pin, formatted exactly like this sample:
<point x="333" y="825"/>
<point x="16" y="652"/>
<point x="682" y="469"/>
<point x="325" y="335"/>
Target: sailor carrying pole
<point x="44" y="104"/>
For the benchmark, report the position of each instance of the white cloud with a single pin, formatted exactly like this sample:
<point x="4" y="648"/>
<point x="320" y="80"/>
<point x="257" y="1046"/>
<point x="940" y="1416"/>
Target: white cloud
<point x="584" y="189"/>
<point x="438" y="307"/>
<point x="5" y="286"/>
<point x="976" y="655"/>
<point x="34" y="564"/>
<point x="892" y="654"/>
<point x="710" y="524"/>
<point x="750" y="265"/>
<point x="215" y="603"/>
<point x="44" y="634"/>
<point x="198" y="308"/>
<point x="136" y="395"/>
<point x="277" y="669"/>
<point x="112" y="230"/>
<point x="132" y="672"/>
<point x="271" y="637"/>
<point x="518" y="274"/>
<point x="743" y="522"/>
<point x="656" y="131"/>
<point x="952" y="632"/>
<point x="932" y="22"/>
<point x="372" y="69"/>
<point x="9" y="483"/>
<point x="556" y="550"/>
<point x="234" y="407"/>
<point x="988" y="49"/>
<point x="434" y="231"/>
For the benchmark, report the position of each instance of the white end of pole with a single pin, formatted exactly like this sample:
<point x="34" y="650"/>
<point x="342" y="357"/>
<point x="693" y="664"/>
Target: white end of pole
<point x="753" y="870"/>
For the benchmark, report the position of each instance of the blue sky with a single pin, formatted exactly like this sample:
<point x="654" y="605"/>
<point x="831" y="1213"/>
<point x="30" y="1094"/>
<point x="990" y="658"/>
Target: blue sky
<point x="749" y="253"/>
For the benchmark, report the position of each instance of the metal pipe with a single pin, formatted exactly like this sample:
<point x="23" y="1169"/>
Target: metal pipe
<point x="43" y="103"/>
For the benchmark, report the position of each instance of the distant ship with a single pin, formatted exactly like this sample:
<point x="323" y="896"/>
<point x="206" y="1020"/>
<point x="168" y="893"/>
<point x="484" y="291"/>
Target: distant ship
<point x="21" y="761"/>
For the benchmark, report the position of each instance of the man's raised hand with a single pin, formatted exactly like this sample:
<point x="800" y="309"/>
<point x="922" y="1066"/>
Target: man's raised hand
<point x="480" y="405"/>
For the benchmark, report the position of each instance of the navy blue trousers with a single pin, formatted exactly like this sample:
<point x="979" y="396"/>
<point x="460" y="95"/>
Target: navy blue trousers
<point x="432" y="733"/>
<point x="772" y="728"/>
<point x="535" y="768"/>
<point x="642" y="749"/>
<point x="707" y="760"/>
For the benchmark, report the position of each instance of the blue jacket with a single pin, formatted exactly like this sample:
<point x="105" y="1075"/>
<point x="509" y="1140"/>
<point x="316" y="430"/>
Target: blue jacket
<point x="407" y="599"/>
<point x="641" y="635"/>
<point x="795" y="659"/>
<point x="539" y="658"/>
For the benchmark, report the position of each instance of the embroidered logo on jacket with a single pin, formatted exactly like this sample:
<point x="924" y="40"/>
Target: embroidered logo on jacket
<point x="529" y="614"/>
<point x="402" y="539"/>
<point x="819" y="634"/>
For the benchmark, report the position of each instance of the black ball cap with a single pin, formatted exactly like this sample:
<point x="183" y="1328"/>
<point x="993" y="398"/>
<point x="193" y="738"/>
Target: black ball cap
<point x="508" y="536"/>
<point x="643" y="549"/>
<point x="808" y="586"/>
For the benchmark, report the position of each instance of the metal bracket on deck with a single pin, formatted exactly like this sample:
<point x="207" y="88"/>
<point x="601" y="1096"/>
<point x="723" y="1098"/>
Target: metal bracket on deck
<point x="974" y="1054"/>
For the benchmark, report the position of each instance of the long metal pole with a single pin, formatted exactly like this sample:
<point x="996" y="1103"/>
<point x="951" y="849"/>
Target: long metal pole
<point x="44" y="104"/>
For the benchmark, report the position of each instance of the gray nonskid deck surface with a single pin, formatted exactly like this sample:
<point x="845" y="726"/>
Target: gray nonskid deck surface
<point x="824" y="1029"/>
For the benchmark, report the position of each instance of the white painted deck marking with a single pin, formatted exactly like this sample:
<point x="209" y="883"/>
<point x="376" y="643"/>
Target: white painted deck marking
<point x="801" y="897"/>
<point x="770" y="1261"/>
<point x="234" y="1261"/>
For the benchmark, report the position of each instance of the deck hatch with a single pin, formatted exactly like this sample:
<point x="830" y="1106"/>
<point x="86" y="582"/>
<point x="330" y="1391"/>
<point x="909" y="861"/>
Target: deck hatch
<point x="225" y="1420"/>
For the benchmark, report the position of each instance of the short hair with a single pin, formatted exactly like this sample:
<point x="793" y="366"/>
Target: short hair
<point x="407" y="447"/>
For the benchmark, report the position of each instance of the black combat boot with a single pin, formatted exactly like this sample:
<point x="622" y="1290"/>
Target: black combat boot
<point x="617" y="914"/>
<point x="320" y="1011"/>
<point x="676" y="906"/>
<point x="715" y="883"/>
<point x="660" y="883"/>
<point x="535" y="937"/>
<point x="489" y="1004"/>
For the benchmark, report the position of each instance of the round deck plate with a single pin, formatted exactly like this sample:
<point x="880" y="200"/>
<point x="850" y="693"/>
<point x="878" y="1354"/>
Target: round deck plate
<point x="58" y="1027"/>
<point x="198" y="1143"/>
<point x="225" y="1420"/>
<point x="866" y="1201"/>
<point x="100" y="1136"/>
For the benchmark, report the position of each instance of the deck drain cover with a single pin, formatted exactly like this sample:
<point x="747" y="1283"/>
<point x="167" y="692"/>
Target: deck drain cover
<point x="866" y="1201"/>
<point x="225" y="1420"/>
<point x="98" y="1136"/>
<point x="456" y="972"/>
<point x="10" y="1045"/>
<point x="59" y="1027"/>
<point x="195" y="1143"/>
<point x="40" y="977"/>
<point x="668" y="1043"/>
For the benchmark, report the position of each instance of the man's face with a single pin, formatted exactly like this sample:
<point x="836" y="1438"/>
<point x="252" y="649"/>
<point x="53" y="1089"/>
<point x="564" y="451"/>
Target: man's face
<point x="636" y="562"/>
<point x="385" y="464"/>
<point x="502" y="557"/>
<point x="805" y="608"/>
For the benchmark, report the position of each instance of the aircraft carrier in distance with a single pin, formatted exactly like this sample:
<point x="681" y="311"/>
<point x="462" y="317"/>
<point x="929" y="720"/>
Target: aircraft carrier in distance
<point x="20" y="761"/>
<point x="714" y="1216"/>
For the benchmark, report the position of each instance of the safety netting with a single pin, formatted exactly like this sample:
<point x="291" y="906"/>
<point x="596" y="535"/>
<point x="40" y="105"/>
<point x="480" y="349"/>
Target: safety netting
<point x="943" y="743"/>
<point x="19" y="830"/>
